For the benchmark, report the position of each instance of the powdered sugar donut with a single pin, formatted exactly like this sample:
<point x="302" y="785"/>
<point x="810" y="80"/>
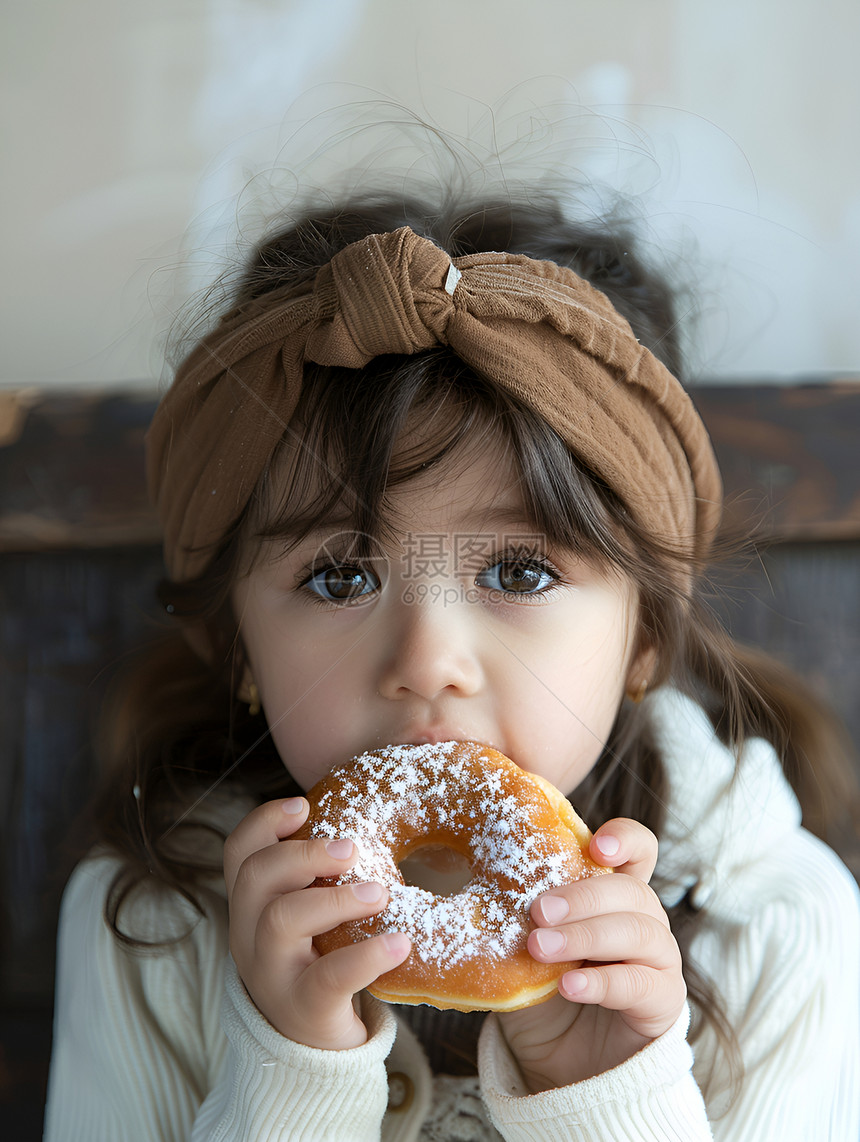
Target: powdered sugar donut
<point x="519" y="835"/>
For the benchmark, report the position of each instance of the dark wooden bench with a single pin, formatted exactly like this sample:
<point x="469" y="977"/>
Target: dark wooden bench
<point x="79" y="557"/>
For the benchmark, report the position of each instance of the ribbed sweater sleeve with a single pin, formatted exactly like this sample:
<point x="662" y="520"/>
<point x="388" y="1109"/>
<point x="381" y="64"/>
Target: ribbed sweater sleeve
<point x="136" y="1034"/>
<point x="166" y="1046"/>
<point x="650" y="1098"/>
<point x="274" y="1090"/>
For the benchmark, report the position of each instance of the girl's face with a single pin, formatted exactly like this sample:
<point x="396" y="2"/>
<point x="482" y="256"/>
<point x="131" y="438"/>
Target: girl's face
<point x="465" y="625"/>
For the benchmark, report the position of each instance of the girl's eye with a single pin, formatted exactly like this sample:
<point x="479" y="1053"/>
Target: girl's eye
<point x="342" y="583"/>
<point x="520" y="578"/>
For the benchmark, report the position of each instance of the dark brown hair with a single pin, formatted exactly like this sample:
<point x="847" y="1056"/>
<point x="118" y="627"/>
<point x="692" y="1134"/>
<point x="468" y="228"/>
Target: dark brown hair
<point x="176" y="729"/>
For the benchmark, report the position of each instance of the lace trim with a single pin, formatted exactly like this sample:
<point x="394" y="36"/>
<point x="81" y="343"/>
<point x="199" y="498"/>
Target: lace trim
<point x="457" y="1113"/>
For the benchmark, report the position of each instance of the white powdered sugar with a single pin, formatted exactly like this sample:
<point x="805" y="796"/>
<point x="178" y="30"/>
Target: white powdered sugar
<point x="391" y="799"/>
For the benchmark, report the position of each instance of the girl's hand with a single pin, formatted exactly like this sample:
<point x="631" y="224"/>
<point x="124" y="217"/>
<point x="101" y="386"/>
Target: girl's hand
<point x="630" y="988"/>
<point x="274" y="916"/>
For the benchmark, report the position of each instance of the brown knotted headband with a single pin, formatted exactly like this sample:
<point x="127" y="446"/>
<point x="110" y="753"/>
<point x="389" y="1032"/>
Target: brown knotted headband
<point x="536" y="329"/>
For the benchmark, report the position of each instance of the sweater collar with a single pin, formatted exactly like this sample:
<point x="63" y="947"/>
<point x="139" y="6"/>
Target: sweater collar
<point x="722" y="811"/>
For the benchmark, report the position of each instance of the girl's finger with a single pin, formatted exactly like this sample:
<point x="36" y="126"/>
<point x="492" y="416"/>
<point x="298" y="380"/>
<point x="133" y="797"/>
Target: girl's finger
<point x="596" y="895"/>
<point x="631" y="937"/>
<point x="627" y="846"/>
<point x="335" y="978"/>
<point x="650" y="999"/>
<point x="279" y="873"/>
<point x="286" y="928"/>
<point x="291" y="865"/>
<point x="263" y="827"/>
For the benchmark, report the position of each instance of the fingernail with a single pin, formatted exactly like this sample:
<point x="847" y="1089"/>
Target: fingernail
<point x="340" y="850"/>
<point x="293" y="805"/>
<point x="574" y="981"/>
<point x="396" y="943"/>
<point x="607" y="845"/>
<point x="553" y="909"/>
<point x="549" y="942"/>
<point x="367" y="893"/>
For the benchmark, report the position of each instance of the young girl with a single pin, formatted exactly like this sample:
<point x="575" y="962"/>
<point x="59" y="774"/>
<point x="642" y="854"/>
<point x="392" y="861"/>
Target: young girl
<point x="413" y="491"/>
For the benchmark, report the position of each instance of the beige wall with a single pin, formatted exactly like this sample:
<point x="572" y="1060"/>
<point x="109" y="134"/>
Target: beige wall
<point x="130" y="131"/>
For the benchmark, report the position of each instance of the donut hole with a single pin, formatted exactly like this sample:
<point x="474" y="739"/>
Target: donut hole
<point x="436" y="868"/>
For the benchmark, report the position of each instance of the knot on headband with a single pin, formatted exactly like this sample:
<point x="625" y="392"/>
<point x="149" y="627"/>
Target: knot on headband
<point x="536" y="329"/>
<point x="383" y="295"/>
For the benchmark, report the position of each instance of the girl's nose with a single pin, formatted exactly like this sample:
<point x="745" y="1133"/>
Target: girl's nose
<point x="431" y="648"/>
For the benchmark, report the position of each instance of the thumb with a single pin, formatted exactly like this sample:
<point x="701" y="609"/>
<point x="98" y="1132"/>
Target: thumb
<point x="626" y="846"/>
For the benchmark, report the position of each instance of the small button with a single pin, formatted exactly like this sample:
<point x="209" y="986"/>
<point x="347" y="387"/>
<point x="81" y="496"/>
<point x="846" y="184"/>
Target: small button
<point x="401" y="1091"/>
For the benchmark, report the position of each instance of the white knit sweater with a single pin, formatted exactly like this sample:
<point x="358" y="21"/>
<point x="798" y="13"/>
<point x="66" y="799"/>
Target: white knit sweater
<point x="169" y="1048"/>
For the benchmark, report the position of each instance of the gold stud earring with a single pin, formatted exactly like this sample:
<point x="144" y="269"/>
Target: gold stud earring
<point x="253" y="699"/>
<point x="638" y="694"/>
